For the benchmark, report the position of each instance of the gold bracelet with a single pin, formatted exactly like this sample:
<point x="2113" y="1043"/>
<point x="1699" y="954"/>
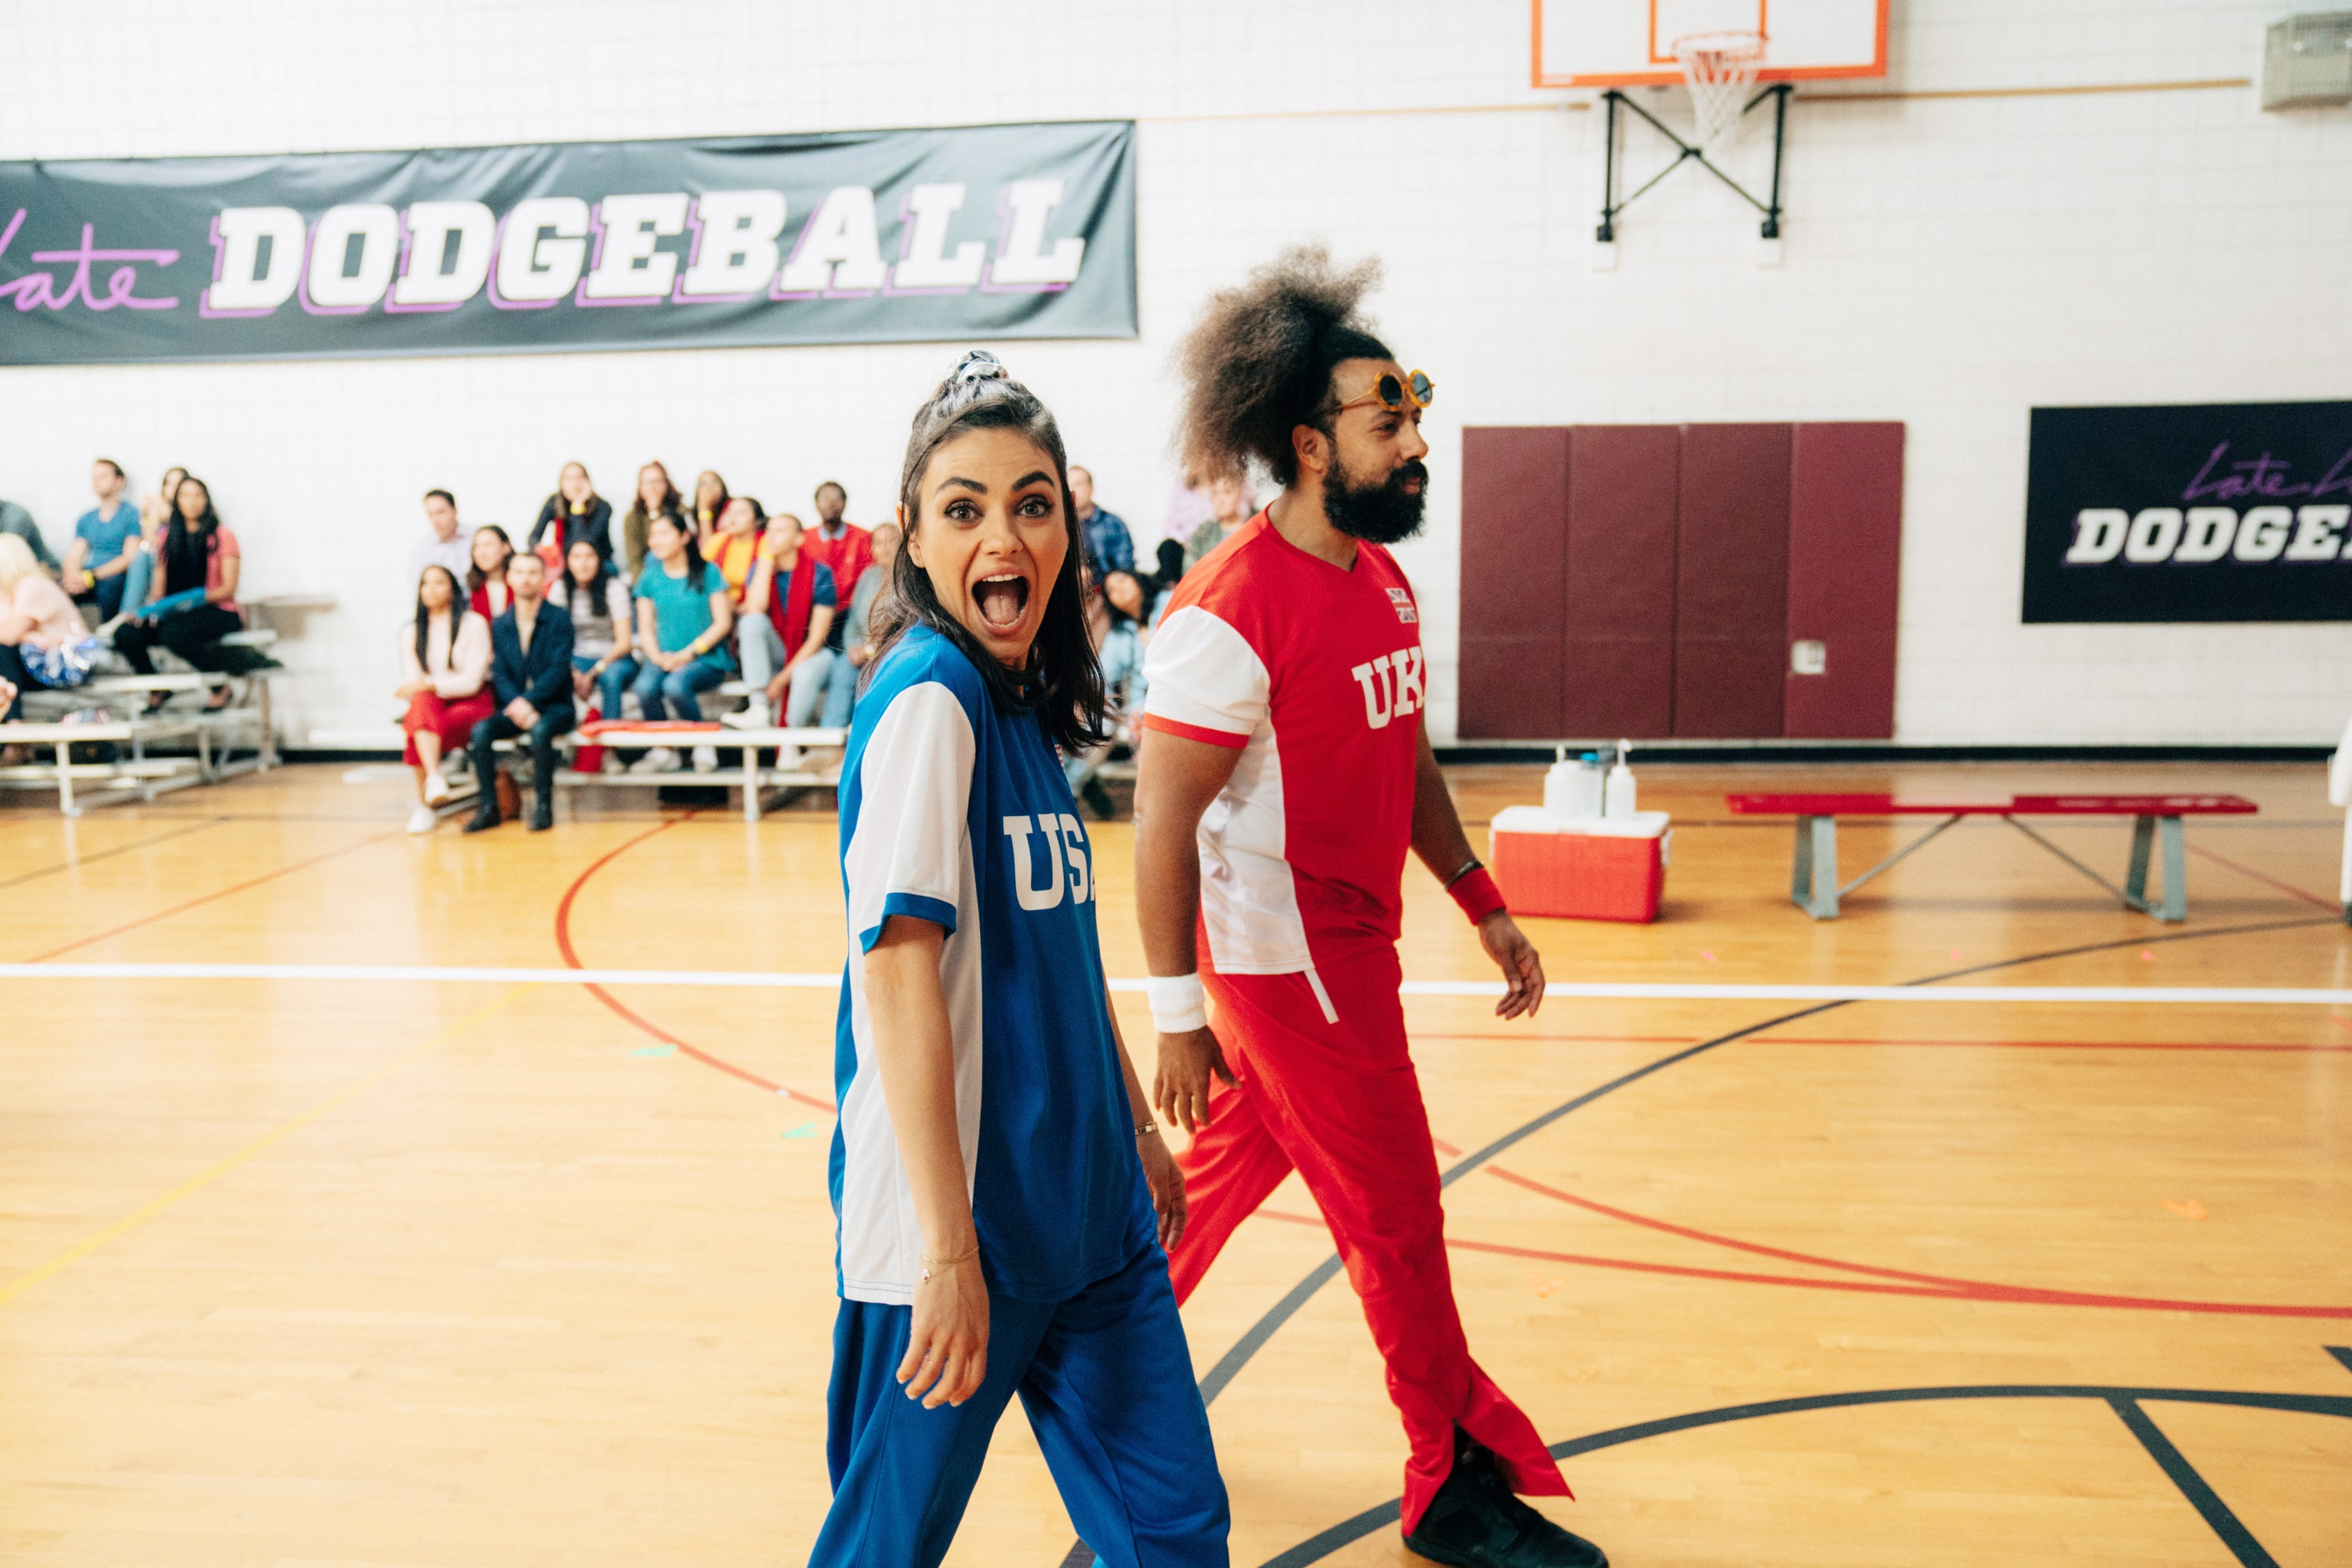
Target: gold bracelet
<point x="930" y="1263"/>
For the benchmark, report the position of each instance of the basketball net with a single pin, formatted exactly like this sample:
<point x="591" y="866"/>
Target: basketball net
<point x="1720" y="68"/>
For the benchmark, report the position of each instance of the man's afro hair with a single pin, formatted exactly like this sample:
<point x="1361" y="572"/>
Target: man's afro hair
<point x="1258" y="362"/>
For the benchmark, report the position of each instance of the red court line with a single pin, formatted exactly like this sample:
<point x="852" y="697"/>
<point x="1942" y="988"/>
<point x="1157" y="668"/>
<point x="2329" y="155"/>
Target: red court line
<point x="208" y="897"/>
<point x="1570" y="1039"/>
<point x="1932" y="1284"/>
<point x="2330" y="905"/>
<point x="571" y="961"/>
<point x="2060" y="1045"/>
<point x="1957" y="1290"/>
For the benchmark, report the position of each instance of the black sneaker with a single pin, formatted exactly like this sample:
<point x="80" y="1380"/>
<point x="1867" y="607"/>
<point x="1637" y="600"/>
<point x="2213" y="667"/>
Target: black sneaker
<point x="1474" y="1521"/>
<point x="487" y="817"/>
<point x="1099" y="800"/>
<point x="543" y="816"/>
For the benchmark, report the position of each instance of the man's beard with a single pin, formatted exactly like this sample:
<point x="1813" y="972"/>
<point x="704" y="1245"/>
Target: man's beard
<point x="1385" y="513"/>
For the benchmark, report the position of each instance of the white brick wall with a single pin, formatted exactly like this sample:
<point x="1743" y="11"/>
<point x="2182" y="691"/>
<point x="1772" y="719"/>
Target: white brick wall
<point x="1949" y="263"/>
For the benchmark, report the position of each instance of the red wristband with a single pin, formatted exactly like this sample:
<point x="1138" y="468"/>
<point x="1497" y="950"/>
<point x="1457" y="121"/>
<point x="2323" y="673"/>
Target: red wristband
<point x="1476" y="893"/>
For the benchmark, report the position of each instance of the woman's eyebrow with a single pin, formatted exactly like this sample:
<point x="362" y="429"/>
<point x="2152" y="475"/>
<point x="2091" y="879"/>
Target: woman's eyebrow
<point x="1033" y="477"/>
<point x="973" y="485"/>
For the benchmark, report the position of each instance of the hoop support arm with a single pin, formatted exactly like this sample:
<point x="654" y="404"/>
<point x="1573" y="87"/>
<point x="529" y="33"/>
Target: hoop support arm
<point x="1686" y="153"/>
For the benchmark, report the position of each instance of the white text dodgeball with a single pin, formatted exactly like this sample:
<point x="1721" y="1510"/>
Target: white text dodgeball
<point x="437" y="254"/>
<point x="2203" y="533"/>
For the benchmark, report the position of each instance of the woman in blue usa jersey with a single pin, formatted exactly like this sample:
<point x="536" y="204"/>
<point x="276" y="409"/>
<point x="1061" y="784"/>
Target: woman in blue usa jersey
<point x="1004" y="1198"/>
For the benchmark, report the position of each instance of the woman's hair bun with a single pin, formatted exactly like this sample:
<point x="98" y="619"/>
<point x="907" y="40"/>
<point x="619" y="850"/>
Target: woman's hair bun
<point x="978" y="364"/>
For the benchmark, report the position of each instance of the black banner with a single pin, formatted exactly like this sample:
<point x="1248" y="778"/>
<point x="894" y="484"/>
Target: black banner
<point x="1005" y="231"/>
<point x="2212" y="512"/>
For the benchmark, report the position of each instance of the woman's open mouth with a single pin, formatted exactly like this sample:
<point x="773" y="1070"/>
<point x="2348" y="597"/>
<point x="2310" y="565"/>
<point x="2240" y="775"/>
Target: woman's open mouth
<point x="1002" y="601"/>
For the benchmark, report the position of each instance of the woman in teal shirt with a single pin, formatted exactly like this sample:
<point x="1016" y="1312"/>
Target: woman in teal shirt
<point x="684" y="619"/>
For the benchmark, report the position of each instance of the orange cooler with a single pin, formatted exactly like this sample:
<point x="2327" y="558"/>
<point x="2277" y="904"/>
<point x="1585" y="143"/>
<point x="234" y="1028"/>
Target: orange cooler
<point x="1583" y="868"/>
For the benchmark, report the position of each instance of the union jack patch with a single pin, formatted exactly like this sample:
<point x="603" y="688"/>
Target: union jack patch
<point x="1403" y="602"/>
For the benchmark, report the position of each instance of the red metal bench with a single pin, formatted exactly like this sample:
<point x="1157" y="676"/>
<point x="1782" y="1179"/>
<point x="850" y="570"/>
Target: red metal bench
<point x="1814" y="887"/>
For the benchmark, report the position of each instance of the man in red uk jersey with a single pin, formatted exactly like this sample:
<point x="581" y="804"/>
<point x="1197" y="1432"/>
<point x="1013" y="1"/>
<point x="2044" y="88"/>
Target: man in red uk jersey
<point x="1285" y="772"/>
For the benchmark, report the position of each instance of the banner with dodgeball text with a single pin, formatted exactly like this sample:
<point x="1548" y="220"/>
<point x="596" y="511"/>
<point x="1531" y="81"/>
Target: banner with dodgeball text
<point x="2238" y="511"/>
<point x="1001" y="231"/>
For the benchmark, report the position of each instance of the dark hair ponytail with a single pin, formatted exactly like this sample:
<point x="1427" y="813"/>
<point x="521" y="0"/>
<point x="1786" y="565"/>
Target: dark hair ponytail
<point x="424" y="617"/>
<point x="1062" y="683"/>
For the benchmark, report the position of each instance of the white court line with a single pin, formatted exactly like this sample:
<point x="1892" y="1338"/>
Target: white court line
<point x="1595" y="991"/>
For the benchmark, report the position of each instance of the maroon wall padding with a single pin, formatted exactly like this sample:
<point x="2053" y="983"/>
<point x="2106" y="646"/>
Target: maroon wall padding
<point x="1845" y="553"/>
<point x="1731" y="581"/>
<point x="1619" y="677"/>
<point x="1513" y="580"/>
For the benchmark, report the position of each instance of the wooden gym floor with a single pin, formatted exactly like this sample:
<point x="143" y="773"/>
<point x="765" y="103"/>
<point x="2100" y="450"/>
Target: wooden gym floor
<point x="319" y="1270"/>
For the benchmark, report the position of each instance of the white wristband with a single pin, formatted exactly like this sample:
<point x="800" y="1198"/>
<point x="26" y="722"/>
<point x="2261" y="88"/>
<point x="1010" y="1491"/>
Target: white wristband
<point x="1179" y="1005"/>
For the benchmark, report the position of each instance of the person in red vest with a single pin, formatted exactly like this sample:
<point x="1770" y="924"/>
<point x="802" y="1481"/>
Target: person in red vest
<point x="790" y="626"/>
<point x="847" y="549"/>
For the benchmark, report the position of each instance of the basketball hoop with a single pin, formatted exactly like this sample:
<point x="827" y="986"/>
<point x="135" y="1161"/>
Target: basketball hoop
<point x="1720" y="69"/>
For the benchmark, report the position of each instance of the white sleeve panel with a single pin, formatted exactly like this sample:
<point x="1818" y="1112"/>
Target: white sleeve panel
<point x="907" y="854"/>
<point x="1206" y="676"/>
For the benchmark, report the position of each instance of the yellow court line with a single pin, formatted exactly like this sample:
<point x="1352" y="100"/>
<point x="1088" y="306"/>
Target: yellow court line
<point x="260" y="1145"/>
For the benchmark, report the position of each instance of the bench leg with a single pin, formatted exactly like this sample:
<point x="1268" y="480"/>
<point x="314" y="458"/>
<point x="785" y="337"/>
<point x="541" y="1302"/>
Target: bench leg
<point x="2344" y="884"/>
<point x="1813" y="887"/>
<point x="268" y="747"/>
<point x="751" y="783"/>
<point x="64" y="779"/>
<point x="2175" y="908"/>
<point x="2136" y="873"/>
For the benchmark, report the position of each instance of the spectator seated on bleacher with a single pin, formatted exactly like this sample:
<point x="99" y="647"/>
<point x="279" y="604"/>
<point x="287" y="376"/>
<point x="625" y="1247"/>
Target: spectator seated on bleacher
<point x="16" y="519"/>
<point x="43" y="643"/>
<point x="684" y="615"/>
<point x="446" y="657"/>
<point x="710" y="499"/>
<point x="1114" y="622"/>
<point x="791" y="632"/>
<point x="858" y="641"/>
<point x="597" y="602"/>
<point x="574" y="512"/>
<point x="486" y="579"/>
<point x="105" y="543"/>
<point x="200" y="566"/>
<point x="530" y="673"/>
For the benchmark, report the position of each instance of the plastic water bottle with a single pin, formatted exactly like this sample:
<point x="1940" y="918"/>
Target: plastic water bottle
<point x="1559" y="785"/>
<point x="1589" y="785"/>
<point x="1572" y="789"/>
<point x="1621" y="785"/>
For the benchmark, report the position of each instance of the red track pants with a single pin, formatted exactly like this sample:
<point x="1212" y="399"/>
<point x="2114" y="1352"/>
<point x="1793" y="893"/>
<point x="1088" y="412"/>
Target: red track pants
<point x="1341" y="1104"/>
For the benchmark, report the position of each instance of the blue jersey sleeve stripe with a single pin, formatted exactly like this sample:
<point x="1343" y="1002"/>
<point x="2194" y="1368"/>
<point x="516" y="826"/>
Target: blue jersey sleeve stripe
<point x="939" y="912"/>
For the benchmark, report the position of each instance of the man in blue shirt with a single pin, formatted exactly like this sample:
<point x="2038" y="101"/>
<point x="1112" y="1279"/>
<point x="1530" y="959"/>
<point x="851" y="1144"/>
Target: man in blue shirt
<point x="101" y="552"/>
<point x="1109" y="547"/>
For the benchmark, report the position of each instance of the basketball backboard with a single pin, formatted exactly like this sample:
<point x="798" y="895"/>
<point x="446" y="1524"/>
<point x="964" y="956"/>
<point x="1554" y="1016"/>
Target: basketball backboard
<point x="1631" y="43"/>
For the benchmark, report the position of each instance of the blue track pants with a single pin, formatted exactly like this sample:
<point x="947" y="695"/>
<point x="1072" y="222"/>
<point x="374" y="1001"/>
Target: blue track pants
<point x="1108" y="1383"/>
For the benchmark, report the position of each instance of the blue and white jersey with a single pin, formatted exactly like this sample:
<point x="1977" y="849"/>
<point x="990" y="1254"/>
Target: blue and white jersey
<point x="958" y="813"/>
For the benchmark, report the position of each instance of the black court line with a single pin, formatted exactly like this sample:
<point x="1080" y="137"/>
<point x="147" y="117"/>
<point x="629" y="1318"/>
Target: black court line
<point x="1323" y="1545"/>
<point x="2342" y="1353"/>
<point x="1318" y="1547"/>
<point x="1259" y="1333"/>
<point x="81" y="860"/>
<point x="2201" y="1497"/>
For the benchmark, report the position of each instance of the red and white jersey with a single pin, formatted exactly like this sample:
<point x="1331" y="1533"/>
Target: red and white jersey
<point x="1316" y="674"/>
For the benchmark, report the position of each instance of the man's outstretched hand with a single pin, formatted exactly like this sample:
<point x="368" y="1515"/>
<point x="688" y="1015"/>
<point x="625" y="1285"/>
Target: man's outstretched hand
<point x="1180" y="1088"/>
<point x="1515" y="956"/>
